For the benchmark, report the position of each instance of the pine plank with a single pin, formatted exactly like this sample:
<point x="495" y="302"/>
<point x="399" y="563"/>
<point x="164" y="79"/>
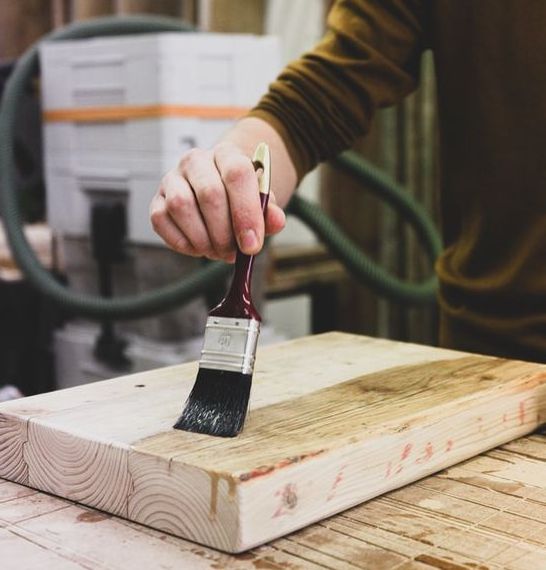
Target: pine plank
<point x="71" y="536"/>
<point x="335" y="420"/>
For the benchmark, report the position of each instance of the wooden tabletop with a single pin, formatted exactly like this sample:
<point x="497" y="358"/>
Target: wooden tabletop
<point x="486" y="513"/>
<point x="335" y="419"/>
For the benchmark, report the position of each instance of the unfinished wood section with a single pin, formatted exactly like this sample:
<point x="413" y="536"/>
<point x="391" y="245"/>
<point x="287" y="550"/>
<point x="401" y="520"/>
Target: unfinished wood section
<point x="239" y="16"/>
<point x="300" y="269"/>
<point x="41" y="241"/>
<point x="488" y="513"/>
<point x="335" y="420"/>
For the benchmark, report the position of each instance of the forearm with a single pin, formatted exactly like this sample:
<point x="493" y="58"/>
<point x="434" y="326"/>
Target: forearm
<point x="368" y="59"/>
<point x="246" y="135"/>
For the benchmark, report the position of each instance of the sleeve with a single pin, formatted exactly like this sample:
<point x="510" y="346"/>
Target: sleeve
<point x="369" y="58"/>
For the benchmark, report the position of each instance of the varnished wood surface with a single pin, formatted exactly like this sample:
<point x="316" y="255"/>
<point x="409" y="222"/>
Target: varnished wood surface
<point x="488" y="513"/>
<point x="335" y="420"/>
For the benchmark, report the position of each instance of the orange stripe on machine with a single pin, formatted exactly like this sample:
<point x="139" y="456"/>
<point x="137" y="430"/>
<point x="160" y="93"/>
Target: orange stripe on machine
<point x="127" y="112"/>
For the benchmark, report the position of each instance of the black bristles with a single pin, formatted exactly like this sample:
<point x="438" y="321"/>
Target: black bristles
<point x="217" y="404"/>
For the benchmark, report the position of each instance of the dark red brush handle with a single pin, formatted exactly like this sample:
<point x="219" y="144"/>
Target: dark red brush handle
<point x="238" y="301"/>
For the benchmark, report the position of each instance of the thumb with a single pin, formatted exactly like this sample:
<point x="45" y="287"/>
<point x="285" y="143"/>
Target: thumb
<point x="275" y="218"/>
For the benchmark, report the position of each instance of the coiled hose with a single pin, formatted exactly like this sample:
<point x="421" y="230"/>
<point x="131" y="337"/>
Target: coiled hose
<point x="170" y="296"/>
<point x="355" y="261"/>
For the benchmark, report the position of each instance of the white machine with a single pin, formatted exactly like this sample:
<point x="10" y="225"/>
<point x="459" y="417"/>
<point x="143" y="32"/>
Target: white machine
<point x="118" y="113"/>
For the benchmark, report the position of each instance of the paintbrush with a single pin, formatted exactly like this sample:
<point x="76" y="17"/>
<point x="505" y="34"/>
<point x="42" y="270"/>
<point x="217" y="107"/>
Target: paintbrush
<point x="218" y="402"/>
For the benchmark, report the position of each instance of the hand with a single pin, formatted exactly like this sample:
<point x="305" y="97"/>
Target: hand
<point x="210" y="201"/>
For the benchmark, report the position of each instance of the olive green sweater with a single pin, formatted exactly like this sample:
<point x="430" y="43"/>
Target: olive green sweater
<point x="491" y="71"/>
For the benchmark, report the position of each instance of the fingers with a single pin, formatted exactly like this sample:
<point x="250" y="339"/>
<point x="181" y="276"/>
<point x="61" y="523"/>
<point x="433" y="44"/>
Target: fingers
<point x="201" y="173"/>
<point x="241" y="186"/>
<point x="167" y="229"/>
<point x="183" y="209"/>
<point x="275" y="218"/>
<point x="210" y="202"/>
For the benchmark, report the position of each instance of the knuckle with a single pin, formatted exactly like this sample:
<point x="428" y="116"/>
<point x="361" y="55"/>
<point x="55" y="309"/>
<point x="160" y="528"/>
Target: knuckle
<point x="189" y="157"/>
<point x="204" y="250"/>
<point x="237" y="171"/>
<point x="197" y="239"/>
<point x="156" y="218"/>
<point x="224" y="244"/>
<point x="181" y="244"/>
<point x="228" y="255"/>
<point x="201" y="245"/>
<point x="210" y="194"/>
<point x="175" y="202"/>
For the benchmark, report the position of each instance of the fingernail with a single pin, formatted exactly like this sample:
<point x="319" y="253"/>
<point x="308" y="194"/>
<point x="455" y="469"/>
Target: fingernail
<point x="248" y="241"/>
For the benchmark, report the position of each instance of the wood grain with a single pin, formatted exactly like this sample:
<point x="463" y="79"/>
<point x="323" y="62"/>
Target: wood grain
<point x="335" y="420"/>
<point x="13" y="435"/>
<point x="66" y="465"/>
<point x="420" y="527"/>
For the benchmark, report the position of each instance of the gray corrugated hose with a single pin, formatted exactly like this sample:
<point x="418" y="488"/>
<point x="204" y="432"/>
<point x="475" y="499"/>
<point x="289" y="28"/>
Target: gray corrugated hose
<point x="170" y="296"/>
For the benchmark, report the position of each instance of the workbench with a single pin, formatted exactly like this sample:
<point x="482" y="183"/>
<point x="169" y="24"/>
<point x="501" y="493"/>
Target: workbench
<point x="335" y="420"/>
<point x="486" y="513"/>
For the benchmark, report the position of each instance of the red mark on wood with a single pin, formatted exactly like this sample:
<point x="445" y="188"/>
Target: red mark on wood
<point x="288" y="500"/>
<point x="398" y="467"/>
<point x="449" y="445"/>
<point x="258" y="472"/>
<point x="521" y="413"/>
<point x="429" y="450"/>
<point x="337" y="481"/>
<point x="427" y="454"/>
<point x="267" y="469"/>
<point x="504" y="418"/>
<point x="406" y="451"/>
<point x="389" y="469"/>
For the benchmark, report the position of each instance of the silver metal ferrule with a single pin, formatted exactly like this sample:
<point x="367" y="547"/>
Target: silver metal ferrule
<point x="230" y="344"/>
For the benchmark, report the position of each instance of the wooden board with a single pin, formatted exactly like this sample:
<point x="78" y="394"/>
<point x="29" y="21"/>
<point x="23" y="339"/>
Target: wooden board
<point x="335" y="420"/>
<point x="488" y="513"/>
